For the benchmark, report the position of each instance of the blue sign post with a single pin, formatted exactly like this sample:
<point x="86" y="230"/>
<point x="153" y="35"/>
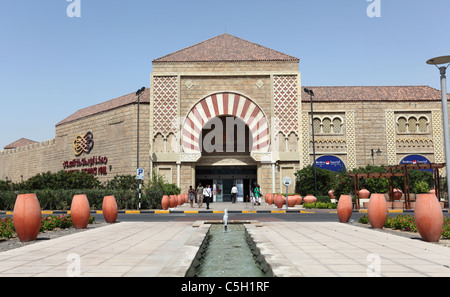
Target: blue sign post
<point x="331" y="163"/>
<point x="416" y="160"/>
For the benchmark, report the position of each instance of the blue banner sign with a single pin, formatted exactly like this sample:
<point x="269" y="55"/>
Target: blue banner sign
<point x="331" y="163"/>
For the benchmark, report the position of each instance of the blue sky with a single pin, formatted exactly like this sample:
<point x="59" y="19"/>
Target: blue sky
<point x="52" y="65"/>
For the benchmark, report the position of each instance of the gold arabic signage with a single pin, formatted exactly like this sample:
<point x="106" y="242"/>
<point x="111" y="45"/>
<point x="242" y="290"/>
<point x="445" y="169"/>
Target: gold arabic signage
<point x="83" y="144"/>
<point x="95" y="165"/>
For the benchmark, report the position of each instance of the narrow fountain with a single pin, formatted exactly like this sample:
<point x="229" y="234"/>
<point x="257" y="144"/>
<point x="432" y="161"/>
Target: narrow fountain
<point x="228" y="250"/>
<point x="225" y="219"/>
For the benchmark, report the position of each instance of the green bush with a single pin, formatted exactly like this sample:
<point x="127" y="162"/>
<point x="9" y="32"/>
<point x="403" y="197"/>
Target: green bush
<point x="421" y="187"/>
<point x="320" y="205"/>
<point x="304" y="181"/>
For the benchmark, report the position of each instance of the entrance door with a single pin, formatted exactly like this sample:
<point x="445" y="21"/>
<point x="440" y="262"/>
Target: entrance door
<point x="227" y="185"/>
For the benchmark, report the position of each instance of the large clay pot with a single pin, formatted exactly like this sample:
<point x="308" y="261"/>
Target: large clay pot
<point x="292" y="201"/>
<point x="27" y="217"/>
<point x="377" y="211"/>
<point x="428" y="217"/>
<point x="180" y="199"/>
<point x="186" y="198"/>
<point x="299" y="199"/>
<point x="269" y="198"/>
<point x="279" y="200"/>
<point x="110" y="210"/>
<point x="165" y="202"/>
<point x="80" y="211"/>
<point x="397" y="193"/>
<point x="364" y="194"/>
<point x="173" y="201"/>
<point x="344" y="208"/>
<point x="309" y="199"/>
<point x="432" y="191"/>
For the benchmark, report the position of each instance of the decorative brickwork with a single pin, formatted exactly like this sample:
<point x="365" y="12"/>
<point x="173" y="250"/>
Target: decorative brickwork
<point x="165" y="105"/>
<point x="351" y="139"/>
<point x="438" y="136"/>
<point x="285" y="94"/>
<point x="391" y="137"/>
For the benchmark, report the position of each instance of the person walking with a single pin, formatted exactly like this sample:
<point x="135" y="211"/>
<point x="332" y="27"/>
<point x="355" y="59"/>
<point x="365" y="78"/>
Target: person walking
<point x="199" y="195"/>
<point x="234" y="192"/>
<point x="207" y="195"/>
<point x="191" y="196"/>
<point x="257" y="192"/>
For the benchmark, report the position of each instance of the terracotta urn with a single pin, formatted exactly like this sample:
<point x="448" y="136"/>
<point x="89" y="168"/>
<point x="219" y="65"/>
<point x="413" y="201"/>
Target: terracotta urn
<point x="110" y="210"/>
<point x="397" y="193"/>
<point x="180" y="200"/>
<point x="432" y="191"/>
<point x="173" y="201"/>
<point x="428" y="217"/>
<point x="80" y="211"/>
<point x="279" y="200"/>
<point x="309" y="199"/>
<point x="344" y="208"/>
<point x="269" y="198"/>
<point x="299" y="199"/>
<point x="27" y="217"/>
<point x="331" y="194"/>
<point x="377" y="211"/>
<point x="292" y="201"/>
<point x="165" y="202"/>
<point x="186" y="198"/>
<point x="364" y="194"/>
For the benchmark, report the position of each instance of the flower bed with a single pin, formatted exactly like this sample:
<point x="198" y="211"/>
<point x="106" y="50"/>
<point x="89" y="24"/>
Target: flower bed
<point x="406" y="223"/>
<point x="48" y="223"/>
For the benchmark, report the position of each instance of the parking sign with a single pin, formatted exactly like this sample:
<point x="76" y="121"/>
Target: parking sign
<point x="140" y="174"/>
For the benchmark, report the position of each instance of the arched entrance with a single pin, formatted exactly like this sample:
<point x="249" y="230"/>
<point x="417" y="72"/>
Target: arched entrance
<point x="225" y="104"/>
<point x="225" y="128"/>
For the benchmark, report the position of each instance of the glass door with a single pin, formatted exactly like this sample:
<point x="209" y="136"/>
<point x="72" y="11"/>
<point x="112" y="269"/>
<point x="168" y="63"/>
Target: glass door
<point x="218" y="190"/>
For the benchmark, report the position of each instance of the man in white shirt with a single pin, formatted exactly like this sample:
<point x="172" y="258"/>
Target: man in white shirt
<point x="234" y="192"/>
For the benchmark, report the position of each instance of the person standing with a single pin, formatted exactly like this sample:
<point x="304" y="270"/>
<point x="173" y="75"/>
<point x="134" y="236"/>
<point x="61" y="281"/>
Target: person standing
<point x="207" y="195"/>
<point x="199" y="195"/>
<point x="234" y="192"/>
<point x="191" y="196"/>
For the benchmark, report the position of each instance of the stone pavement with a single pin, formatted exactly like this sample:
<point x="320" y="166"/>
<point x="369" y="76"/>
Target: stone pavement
<point x="300" y="249"/>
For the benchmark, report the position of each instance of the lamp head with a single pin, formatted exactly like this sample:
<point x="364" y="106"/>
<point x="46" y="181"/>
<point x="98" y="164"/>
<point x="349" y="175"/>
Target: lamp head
<point x="439" y="60"/>
<point x="309" y="92"/>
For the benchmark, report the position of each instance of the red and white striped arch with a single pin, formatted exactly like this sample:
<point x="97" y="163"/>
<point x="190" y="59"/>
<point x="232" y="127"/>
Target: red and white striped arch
<point x="220" y="104"/>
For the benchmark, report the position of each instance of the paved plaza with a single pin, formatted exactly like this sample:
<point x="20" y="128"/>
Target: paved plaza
<point x="167" y="249"/>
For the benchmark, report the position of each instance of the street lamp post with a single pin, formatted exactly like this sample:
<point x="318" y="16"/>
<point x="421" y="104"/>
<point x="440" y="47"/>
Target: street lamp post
<point x="138" y="184"/>
<point x="311" y="94"/>
<point x="440" y="61"/>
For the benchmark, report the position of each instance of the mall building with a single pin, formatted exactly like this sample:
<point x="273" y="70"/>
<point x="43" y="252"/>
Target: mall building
<point x="228" y="111"/>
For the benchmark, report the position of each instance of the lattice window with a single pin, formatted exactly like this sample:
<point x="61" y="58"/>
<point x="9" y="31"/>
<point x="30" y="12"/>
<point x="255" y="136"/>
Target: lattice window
<point x="423" y="125"/>
<point x="412" y="125"/>
<point x="401" y="125"/>
<point x="317" y="126"/>
<point x="326" y="128"/>
<point x="327" y="125"/>
<point x="337" y="125"/>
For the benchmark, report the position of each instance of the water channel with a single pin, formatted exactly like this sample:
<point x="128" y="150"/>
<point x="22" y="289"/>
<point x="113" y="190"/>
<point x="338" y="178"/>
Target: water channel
<point x="229" y="252"/>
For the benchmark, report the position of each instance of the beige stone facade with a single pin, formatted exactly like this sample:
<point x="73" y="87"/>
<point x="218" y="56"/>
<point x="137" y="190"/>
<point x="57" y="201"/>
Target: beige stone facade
<point x="230" y="77"/>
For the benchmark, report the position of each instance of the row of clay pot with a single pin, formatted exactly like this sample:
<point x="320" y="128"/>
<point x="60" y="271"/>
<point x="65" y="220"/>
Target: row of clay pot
<point x="428" y="215"/>
<point x="364" y="193"/>
<point x="27" y="214"/>
<point x="279" y="200"/>
<point x="172" y="201"/>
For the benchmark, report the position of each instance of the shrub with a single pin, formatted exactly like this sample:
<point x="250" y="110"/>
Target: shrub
<point x="421" y="187"/>
<point x="320" y="205"/>
<point x="305" y="181"/>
